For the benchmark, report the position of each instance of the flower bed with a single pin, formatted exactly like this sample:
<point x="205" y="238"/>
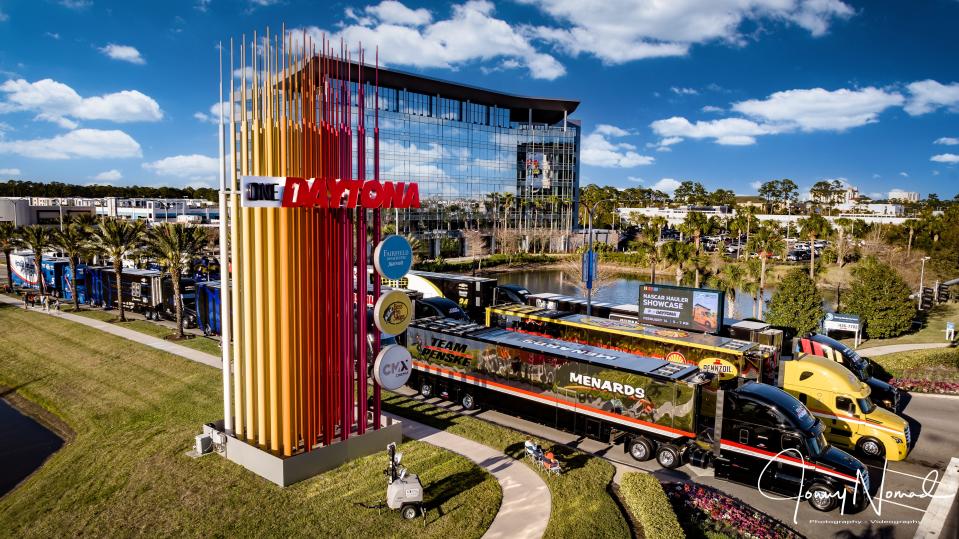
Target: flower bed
<point x="713" y="511"/>
<point x="926" y="386"/>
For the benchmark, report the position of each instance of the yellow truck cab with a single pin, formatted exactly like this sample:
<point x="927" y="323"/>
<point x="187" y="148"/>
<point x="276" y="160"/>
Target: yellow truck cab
<point x="834" y="394"/>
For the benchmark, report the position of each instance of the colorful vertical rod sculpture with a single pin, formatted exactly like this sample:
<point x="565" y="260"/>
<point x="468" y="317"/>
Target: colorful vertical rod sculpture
<point x="299" y="351"/>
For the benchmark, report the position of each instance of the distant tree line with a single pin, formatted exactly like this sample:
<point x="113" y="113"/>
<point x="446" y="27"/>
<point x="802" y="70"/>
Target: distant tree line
<point x="16" y="188"/>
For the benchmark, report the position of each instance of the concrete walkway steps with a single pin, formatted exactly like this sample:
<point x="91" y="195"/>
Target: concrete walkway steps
<point x="525" y="509"/>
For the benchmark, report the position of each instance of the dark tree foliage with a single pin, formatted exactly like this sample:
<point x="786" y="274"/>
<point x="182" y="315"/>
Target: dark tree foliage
<point x="880" y="297"/>
<point x="16" y="188"/>
<point x="796" y="304"/>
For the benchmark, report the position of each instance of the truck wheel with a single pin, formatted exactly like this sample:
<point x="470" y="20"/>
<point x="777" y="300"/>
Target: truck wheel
<point x="468" y="401"/>
<point x="426" y="390"/>
<point x="409" y="511"/>
<point x="668" y="456"/>
<point x="871" y="447"/>
<point x="822" y="497"/>
<point x="641" y="448"/>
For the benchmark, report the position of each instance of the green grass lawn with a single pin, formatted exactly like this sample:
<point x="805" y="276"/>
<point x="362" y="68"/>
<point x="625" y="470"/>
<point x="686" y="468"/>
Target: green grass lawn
<point x="933" y="330"/>
<point x="134" y="411"/>
<point x="153" y="329"/>
<point x="582" y="503"/>
<point x="940" y="364"/>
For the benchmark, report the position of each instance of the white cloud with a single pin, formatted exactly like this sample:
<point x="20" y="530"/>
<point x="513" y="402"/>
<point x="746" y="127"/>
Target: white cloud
<point x="599" y="151"/>
<point x="948" y="158"/>
<point x="202" y="5"/>
<point x="756" y="185"/>
<point x="213" y="116"/>
<point x="194" y="167"/>
<point x="711" y="108"/>
<point x="9" y="171"/>
<point x="111" y="175"/>
<point x="124" y="53"/>
<point x="3" y="16"/>
<point x="876" y="176"/>
<point x="818" y="109"/>
<point x="90" y="143"/>
<point x="684" y="91"/>
<point x="470" y="34"/>
<point x="76" y="4"/>
<point x="727" y="131"/>
<point x="666" y="185"/>
<point x="904" y="174"/>
<point x="929" y="95"/>
<point x="947" y="141"/>
<point x="635" y="179"/>
<point x="56" y="102"/>
<point x="626" y="30"/>
<point x="52" y="35"/>
<point x="935" y="172"/>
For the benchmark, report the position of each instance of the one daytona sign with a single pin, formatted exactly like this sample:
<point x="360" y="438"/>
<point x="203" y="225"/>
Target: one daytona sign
<point x="293" y="192"/>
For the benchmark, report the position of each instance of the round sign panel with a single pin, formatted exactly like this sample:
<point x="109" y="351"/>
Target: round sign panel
<point x="393" y="257"/>
<point x="726" y="370"/>
<point x="392" y="367"/>
<point x="393" y="312"/>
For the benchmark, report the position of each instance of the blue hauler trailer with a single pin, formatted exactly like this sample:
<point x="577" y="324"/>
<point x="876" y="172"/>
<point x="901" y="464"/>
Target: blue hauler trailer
<point x="52" y="269"/>
<point x="67" y="284"/>
<point x="208" y="307"/>
<point x="23" y="270"/>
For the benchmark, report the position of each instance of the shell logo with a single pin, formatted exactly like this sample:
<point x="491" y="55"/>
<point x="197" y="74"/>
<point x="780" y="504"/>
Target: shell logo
<point x="676" y="357"/>
<point x="726" y="370"/>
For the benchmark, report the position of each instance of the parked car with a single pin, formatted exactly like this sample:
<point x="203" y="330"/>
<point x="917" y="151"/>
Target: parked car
<point x="798" y="256"/>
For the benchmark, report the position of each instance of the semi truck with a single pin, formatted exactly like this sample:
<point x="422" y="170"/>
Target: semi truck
<point x="873" y="432"/>
<point x="148" y="292"/>
<point x="208" y="308"/>
<point x="881" y="392"/>
<point x="755" y="434"/>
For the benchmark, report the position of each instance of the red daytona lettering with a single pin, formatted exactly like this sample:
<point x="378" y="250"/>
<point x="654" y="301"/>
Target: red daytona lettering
<point x="330" y="193"/>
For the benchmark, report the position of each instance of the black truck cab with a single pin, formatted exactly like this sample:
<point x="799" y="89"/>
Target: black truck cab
<point x="770" y="440"/>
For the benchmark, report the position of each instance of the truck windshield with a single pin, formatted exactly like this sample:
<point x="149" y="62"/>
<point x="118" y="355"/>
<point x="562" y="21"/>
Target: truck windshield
<point x="866" y="405"/>
<point x="817" y="444"/>
<point x="857" y="364"/>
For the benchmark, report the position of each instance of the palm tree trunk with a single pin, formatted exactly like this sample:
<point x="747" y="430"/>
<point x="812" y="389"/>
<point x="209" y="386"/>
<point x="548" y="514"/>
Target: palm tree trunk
<point x="652" y="271"/>
<point x="73" y="284"/>
<point x="118" y="269"/>
<point x="812" y="257"/>
<point x="6" y="256"/>
<point x="177" y="303"/>
<point x="762" y="284"/>
<point x="908" y="246"/>
<point x="679" y="274"/>
<point x="37" y="261"/>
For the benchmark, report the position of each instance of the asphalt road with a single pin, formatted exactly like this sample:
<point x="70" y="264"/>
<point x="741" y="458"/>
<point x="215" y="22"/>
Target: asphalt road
<point x="932" y="418"/>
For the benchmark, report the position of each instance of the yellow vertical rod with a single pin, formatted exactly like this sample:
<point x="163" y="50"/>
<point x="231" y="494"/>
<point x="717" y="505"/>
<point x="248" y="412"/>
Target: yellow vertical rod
<point x="247" y="270"/>
<point x="235" y="291"/>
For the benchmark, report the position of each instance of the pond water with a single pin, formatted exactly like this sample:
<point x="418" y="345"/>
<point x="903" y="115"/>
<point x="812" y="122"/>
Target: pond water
<point x="623" y="289"/>
<point x="24" y="445"/>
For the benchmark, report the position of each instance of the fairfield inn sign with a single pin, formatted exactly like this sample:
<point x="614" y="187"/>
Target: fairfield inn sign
<point x="291" y="192"/>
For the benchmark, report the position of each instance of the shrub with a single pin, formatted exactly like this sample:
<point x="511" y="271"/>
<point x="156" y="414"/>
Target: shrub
<point x="646" y="501"/>
<point x="796" y="303"/>
<point x="880" y="297"/>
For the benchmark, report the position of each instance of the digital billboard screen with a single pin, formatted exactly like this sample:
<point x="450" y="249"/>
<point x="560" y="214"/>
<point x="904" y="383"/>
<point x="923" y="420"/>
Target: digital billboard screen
<point x="693" y="309"/>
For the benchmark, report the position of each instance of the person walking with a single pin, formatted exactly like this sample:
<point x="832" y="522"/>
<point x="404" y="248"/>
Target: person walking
<point x="56" y="303"/>
<point x="45" y="302"/>
<point x="26" y="300"/>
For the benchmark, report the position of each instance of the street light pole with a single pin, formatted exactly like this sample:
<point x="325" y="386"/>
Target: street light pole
<point x="922" y="274"/>
<point x="589" y="262"/>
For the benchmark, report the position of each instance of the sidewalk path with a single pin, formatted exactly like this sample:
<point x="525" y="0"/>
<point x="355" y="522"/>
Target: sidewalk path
<point x="893" y="348"/>
<point x="525" y="509"/>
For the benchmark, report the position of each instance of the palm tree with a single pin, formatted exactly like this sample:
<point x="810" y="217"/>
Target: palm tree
<point x="508" y="200"/>
<point x="117" y="239"/>
<point x="765" y="241"/>
<point x="659" y="223"/>
<point x="812" y="227"/>
<point x="9" y="240"/>
<point x="729" y="280"/>
<point x="74" y="242"/>
<point x="677" y="253"/>
<point x="696" y="224"/>
<point x="173" y="246"/>
<point x="912" y="225"/>
<point x="37" y="239"/>
<point x="650" y="250"/>
<point x="843" y="227"/>
<point x="753" y="271"/>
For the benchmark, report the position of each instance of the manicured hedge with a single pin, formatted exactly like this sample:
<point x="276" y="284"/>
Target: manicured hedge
<point x="644" y="498"/>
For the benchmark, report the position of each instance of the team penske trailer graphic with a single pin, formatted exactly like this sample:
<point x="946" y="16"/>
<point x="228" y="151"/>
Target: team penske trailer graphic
<point x="657" y="408"/>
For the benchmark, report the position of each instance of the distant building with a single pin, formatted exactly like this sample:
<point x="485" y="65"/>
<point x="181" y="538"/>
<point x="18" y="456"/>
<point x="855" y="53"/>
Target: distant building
<point x="903" y="196"/>
<point x="22" y="211"/>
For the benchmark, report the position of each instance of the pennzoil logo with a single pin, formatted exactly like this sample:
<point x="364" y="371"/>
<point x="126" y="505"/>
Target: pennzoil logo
<point x="726" y="370"/>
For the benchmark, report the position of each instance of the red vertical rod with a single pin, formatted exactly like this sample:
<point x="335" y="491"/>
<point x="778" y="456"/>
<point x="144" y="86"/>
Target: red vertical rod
<point x="377" y="405"/>
<point x="361" y="276"/>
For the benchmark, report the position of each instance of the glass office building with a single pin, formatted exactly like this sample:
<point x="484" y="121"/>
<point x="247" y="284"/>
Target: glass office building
<point x="483" y="160"/>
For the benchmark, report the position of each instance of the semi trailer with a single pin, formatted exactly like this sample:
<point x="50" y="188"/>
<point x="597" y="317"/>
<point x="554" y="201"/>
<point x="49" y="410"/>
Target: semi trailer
<point x="842" y="402"/>
<point x="208" y="309"/>
<point x="149" y="292"/>
<point x="754" y="434"/>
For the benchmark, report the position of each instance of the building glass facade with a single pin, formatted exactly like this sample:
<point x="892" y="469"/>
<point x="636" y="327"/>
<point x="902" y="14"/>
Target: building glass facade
<point x="479" y="165"/>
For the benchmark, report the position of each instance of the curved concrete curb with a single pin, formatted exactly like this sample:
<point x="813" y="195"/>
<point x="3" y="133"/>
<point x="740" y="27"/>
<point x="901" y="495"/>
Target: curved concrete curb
<point x="524" y="512"/>
<point x="525" y="509"/>
<point x="893" y="348"/>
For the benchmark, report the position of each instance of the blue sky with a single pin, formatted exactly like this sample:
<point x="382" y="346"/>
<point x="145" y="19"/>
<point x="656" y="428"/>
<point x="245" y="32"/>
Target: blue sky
<point x="726" y="92"/>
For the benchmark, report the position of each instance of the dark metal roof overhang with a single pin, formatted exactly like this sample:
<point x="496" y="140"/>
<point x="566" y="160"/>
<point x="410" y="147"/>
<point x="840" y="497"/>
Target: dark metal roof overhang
<point x="544" y="110"/>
